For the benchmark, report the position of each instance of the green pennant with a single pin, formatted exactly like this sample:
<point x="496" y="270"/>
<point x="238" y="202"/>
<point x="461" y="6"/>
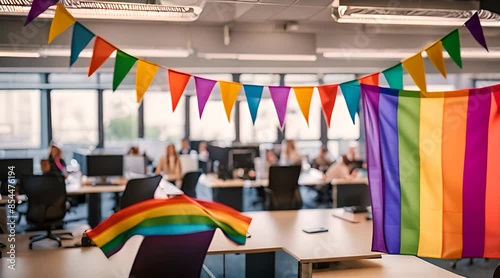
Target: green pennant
<point x="123" y="64"/>
<point x="451" y="43"/>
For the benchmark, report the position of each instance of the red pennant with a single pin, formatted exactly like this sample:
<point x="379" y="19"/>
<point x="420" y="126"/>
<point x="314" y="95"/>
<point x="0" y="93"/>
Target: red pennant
<point x="177" y="82"/>
<point x="371" y="79"/>
<point x="328" y="95"/>
<point x="102" y="51"/>
<point x="497" y="99"/>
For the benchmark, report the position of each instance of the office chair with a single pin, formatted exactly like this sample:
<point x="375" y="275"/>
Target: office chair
<point x="353" y="195"/>
<point x="283" y="192"/>
<point x="46" y="205"/>
<point x="138" y="190"/>
<point x="189" y="182"/>
<point x="496" y="274"/>
<point x="172" y="255"/>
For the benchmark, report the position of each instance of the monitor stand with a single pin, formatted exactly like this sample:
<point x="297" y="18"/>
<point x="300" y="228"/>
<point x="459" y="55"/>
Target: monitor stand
<point x="102" y="180"/>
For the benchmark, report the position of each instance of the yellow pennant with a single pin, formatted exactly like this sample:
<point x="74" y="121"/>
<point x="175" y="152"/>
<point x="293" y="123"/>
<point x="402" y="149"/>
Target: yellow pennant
<point x="415" y="67"/>
<point x="143" y="77"/>
<point x="229" y="92"/>
<point x="62" y="21"/>
<point x="304" y="95"/>
<point x="435" y="54"/>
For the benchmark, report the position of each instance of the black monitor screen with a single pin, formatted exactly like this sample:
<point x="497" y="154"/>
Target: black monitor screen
<point x="242" y="159"/>
<point x="103" y="165"/>
<point x="23" y="167"/>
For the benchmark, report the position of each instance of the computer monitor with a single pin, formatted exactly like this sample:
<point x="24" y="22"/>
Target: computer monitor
<point x="241" y="159"/>
<point x="100" y="165"/>
<point x="23" y="167"/>
<point x="134" y="164"/>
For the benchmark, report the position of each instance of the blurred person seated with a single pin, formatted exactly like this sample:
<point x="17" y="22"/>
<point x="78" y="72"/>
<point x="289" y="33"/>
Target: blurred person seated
<point x="291" y="156"/>
<point x="271" y="160"/>
<point x="185" y="146"/>
<point x="133" y="151"/>
<point x="203" y="157"/>
<point x="323" y="160"/>
<point x="342" y="169"/>
<point x="170" y="165"/>
<point x="56" y="162"/>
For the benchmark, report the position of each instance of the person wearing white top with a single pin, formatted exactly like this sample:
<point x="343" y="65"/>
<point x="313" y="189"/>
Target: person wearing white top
<point x="342" y="169"/>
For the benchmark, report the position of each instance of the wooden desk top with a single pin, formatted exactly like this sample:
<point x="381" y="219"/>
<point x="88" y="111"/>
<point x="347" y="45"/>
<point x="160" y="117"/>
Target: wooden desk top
<point x="389" y="266"/>
<point x="270" y="231"/>
<point x="306" y="179"/>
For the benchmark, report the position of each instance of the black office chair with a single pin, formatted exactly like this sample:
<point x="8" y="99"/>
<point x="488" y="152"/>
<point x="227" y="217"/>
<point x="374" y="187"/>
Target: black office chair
<point x="283" y="192"/>
<point x="189" y="182"/>
<point x="46" y="205"/>
<point x="138" y="190"/>
<point x="496" y="274"/>
<point x="353" y="195"/>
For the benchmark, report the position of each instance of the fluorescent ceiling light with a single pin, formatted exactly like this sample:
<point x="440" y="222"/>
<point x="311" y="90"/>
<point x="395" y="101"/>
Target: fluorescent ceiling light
<point x="258" y="57"/>
<point x="149" y="53"/>
<point x="165" y="10"/>
<point x="20" y="54"/>
<point x="361" y="54"/>
<point x="410" y="16"/>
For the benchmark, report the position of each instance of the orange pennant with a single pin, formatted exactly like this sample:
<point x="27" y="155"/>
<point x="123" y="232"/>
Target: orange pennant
<point x="328" y="95"/>
<point x="143" y="77"/>
<point x="304" y="95"/>
<point x="435" y="54"/>
<point x="229" y="93"/>
<point x="177" y="82"/>
<point x="102" y="51"/>
<point x="371" y="79"/>
<point x="416" y="68"/>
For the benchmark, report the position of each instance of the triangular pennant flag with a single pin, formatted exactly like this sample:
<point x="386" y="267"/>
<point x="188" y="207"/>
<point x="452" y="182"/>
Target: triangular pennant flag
<point x="497" y="99"/>
<point x="435" y="54"/>
<point x="37" y="8"/>
<point x="328" y="95"/>
<point x="253" y="94"/>
<point x="476" y="30"/>
<point x="123" y="64"/>
<point x="229" y="92"/>
<point x="203" y="90"/>
<point x="80" y="40"/>
<point x="352" y="94"/>
<point x="371" y="79"/>
<point x="415" y="67"/>
<point x="62" y="20"/>
<point x="451" y="43"/>
<point x="102" y="51"/>
<point x="279" y="95"/>
<point x="177" y="82"/>
<point x="394" y="76"/>
<point x="304" y="96"/>
<point x="143" y="77"/>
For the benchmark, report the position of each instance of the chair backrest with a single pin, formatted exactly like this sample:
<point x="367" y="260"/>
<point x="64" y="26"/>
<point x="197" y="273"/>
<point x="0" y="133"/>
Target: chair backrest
<point x="353" y="195"/>
<point x="46" y="199"/>
<point x="139" y="190"/>
<point x="189" y="182"/>
<point x="284" y="188"/>
<point x="172" y="255"/>
<point x="496" y="274"/>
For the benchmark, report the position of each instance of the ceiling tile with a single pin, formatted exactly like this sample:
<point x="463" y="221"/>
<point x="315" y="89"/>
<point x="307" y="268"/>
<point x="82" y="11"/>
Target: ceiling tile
<point x="260" y="13"/>
<point x="322" y="3"/>
<point x="297" y="13"/>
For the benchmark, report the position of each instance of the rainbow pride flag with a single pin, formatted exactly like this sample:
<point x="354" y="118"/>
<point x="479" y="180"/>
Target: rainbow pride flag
<point x="175" y="216"/>
<point x="434" y="171"/>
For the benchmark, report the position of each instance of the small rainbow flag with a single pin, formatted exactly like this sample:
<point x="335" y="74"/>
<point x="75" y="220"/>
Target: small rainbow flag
<point x="178" y="215"/>
<point x="433" y="168"/>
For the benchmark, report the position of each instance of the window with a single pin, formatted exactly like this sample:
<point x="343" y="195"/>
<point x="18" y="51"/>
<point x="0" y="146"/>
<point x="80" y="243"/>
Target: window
<point x="213" y="125"/>
<point x="20" y="119"/>
<point x="159" y="121"/>
<point x="435" y="83"/>
<point x="120" y="117"/>
<point x="296" y="125"/>
<point x="267" y="123"/>
<point x="74" y="117"/>
<point x="341" y="126"/>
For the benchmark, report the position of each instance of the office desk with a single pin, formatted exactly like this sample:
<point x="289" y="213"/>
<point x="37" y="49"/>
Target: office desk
<point x="230" y="192"/>
<point x="390" y="266"/>
<point x="271" y="232"/>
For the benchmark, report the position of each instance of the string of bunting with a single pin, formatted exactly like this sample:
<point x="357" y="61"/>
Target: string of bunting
<point x="351" y="90"/>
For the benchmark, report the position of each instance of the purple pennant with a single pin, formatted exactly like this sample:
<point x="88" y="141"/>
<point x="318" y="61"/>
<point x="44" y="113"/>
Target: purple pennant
<point x="279" y="94"/>
<point x="476" y="30"/>
<point x="203" y="90"/>
<point x="37" y="8"/>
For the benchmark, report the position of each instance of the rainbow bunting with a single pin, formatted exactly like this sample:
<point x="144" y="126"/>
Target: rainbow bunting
<point x="433" y="171"/>
<point x="175" y="216"/>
